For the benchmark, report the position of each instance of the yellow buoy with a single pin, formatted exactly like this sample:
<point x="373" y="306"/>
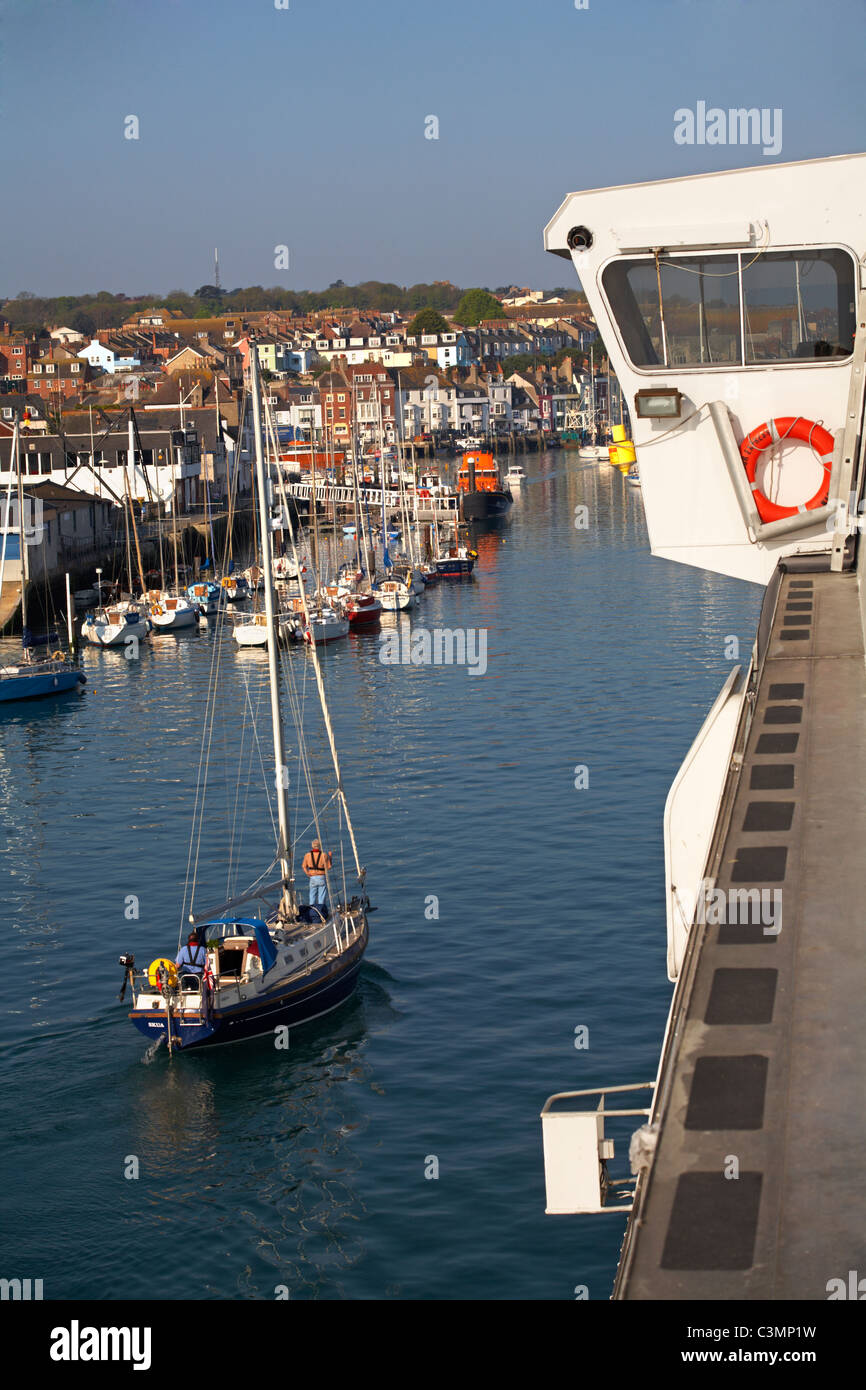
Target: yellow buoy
<point x="624" y="454"/>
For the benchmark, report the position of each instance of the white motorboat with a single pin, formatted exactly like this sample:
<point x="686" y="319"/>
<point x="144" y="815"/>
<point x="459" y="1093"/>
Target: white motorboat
<point x="516" y="474"/>
<point x="593" y="453"/>
<point x="469" y="441"/>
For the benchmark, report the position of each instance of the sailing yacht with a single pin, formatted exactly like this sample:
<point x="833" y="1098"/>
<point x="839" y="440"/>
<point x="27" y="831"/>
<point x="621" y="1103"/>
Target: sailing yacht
<point x="34" y="676"/>
<point x="326" y="625"/>
<point x="395" y="596"/>
<point x="171" y="612"/>
<point x="592" y="450"/>
<point x="116" y="622"/>
<point x="290" y="964"/>
<point x="252" y="629"/>
<point x="113" y="626"/>
<point x="235" y="587"/>
<point x="208" y="597"/>
<point x="362" y="608"/>
<point x="457" y="562"/>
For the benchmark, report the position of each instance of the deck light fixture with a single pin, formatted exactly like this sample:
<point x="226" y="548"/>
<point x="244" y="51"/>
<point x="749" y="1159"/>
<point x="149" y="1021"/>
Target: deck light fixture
<point x="658" y="403"/>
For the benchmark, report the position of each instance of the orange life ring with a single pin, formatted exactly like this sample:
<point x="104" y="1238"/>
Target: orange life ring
<point x="787" y="427"/>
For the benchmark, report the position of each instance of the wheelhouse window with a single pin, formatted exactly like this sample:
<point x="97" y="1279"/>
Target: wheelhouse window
<point x="733" y="309"/>
<point x="799" y="305"/>
<point x="683" y="312"/>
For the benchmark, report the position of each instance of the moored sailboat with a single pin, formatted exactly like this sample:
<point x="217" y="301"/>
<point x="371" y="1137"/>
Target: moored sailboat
<point x="34" y="676"/>
<point x="113" y="626"/>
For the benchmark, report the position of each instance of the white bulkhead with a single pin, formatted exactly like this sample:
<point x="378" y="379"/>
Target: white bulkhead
<point x="739" y="290"/>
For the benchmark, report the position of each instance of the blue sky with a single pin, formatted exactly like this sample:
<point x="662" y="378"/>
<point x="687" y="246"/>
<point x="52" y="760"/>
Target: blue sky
<point x="305" y="127"/>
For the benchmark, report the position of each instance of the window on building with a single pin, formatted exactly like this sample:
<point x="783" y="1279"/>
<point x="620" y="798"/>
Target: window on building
<point x="786" y="305"/>
<point x="49" y="367"/>
<point x="76" y="366"/>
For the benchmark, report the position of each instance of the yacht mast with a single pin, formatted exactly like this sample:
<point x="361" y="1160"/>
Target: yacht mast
<point x="22" y="550"/>
<point x="288" y="905"/>
<point x="13" y="454"/>
<point x="320" y="685"/>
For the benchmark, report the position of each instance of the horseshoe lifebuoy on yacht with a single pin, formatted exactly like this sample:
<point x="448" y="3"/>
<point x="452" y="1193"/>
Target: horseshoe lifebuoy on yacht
<point x="169" y="969"/>
<point x="773" y="432"/>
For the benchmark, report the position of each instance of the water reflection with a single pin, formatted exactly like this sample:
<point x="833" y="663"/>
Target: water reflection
<point x="264" y="1141"/>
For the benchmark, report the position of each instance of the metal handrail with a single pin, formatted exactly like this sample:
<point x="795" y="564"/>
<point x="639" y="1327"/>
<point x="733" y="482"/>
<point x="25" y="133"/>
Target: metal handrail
<point x="600" y="1091"/>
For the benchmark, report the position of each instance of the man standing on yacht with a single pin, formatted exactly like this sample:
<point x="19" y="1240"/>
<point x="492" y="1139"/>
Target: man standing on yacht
<point x="316" y="862"/>
<point x="192" y="958"/>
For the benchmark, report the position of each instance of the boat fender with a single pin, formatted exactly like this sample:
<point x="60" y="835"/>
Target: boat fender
<point x="162" y="963"/>
<point x="773" y="432"/>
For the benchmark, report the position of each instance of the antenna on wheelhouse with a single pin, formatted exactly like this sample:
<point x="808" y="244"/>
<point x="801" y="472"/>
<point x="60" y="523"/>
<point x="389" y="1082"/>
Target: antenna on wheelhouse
<point x="288" y="903"/>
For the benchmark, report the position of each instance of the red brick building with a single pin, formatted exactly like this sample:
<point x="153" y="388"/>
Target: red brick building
<point x="335" y="395"/>
<point x="375" y="399"/>
<point x="59" y="374"/>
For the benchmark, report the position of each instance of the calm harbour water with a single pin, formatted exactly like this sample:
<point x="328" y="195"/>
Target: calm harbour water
<point x="306" y="1168"/>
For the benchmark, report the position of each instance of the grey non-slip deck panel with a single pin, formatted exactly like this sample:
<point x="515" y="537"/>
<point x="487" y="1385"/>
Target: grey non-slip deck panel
<point x="758" y="1189"/>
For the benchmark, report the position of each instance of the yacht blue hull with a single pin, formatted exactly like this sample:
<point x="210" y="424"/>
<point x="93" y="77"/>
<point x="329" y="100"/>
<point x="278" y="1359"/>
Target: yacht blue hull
<point x="37" y="684"/>
<point x="321" y="992"/>
<point x="454" y="568"/>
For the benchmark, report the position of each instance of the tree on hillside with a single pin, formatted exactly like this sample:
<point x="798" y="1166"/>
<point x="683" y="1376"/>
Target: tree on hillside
<point x="83" y="322"/>
<point x="477" y="305"/>
<point x="427" y="321"/>
<point x="519" y="362"/>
